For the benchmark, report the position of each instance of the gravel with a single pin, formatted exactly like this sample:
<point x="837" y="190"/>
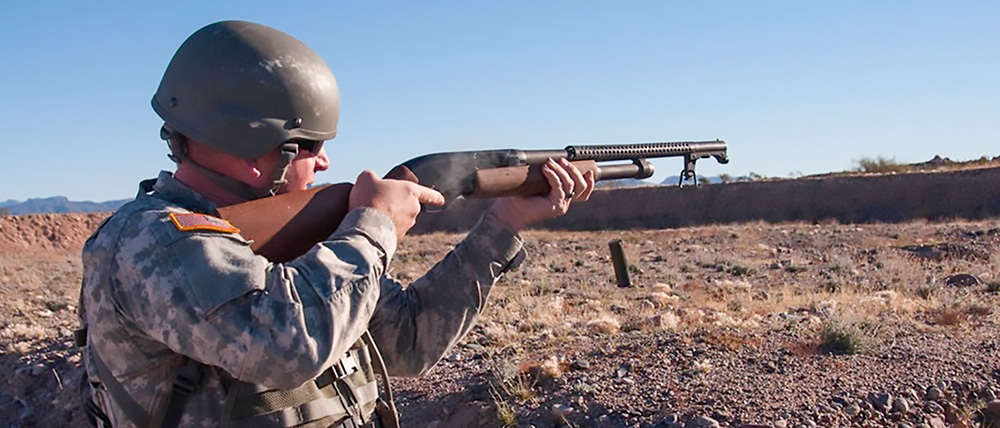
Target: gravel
<point x="924" y="365"/>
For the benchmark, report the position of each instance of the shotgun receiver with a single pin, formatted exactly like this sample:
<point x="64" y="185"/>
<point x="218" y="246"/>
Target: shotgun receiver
<point x="285" y="226"/>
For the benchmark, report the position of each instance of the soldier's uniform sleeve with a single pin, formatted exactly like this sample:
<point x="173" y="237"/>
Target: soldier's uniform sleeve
<point x="414" y="326"/>
<point x="206" y="295"/>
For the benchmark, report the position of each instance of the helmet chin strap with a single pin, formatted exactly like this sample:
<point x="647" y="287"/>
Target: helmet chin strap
<point x="178" y="154"/>
<point x="288" y="153"/>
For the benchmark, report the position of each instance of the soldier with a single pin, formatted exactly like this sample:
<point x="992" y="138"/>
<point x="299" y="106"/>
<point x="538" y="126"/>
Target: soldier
<point x="185" y="326"/>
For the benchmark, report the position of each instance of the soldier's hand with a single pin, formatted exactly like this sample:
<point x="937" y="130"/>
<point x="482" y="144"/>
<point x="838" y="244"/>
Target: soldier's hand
<point x="399" y="199"/>
<point x="566" y="184"/>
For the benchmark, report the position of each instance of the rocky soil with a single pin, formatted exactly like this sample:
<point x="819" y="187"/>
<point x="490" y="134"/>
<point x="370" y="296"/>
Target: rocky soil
<point x="755" y="324"/>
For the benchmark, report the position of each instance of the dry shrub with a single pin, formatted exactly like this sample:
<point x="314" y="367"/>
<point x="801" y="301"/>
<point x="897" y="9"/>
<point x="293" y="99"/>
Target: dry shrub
<point x="533" y="314"/>
<point x="719" y="319"/>
<point x="508" y="379"/>
<point x="948" y="316"/>
<point x="553" y="367"/>
<point x="667" y="321"/>
<point x="881" y="304"/>
<point x="850" y="338"/>
<point x="687" y="318"/>
<point x="664" y="321"/>
<point x="826" y="307"/>
<point x="661" y="295"/>
<point x="506" y="412"/>
<point x="700" y="294"/>
<point x="702" y="366"/>
<point x="693" y="287"/>
<point x="660" y="287"/>
<point x="509" y="386"/>
<point x="885" y="297"/>
<point x="901" y="271"/>
<point x="730" y="340"/>
<point x="928" y="291"/>
<point x="497" y="333"/>
<point x="663" y="300"/>
<point x="953" y="313"/>
<point x="604" y="324"/>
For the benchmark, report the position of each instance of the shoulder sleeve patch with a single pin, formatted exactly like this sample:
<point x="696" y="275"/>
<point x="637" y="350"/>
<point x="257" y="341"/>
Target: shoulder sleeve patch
<point x="194" y="221"/>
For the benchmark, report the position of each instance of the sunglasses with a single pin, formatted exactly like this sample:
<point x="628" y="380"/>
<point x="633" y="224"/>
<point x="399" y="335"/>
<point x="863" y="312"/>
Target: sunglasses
<point x="310" y="146"/>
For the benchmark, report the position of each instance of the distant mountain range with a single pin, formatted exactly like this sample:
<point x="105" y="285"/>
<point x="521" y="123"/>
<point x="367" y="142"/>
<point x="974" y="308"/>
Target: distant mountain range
<point x="57" y="204"/>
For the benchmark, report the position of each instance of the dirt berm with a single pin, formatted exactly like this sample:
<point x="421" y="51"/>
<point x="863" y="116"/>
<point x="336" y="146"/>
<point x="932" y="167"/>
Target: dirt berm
<point x="970" y="194"/>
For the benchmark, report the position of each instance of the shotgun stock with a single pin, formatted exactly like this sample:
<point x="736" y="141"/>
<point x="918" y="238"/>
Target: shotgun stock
<point x="285" y="226"/>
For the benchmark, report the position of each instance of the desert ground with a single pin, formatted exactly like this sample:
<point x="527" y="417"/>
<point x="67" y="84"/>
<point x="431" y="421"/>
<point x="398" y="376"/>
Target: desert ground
<point x="752" y="324"/>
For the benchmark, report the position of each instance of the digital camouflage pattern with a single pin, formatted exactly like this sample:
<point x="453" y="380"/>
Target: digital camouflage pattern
<point x="152" y="292"/>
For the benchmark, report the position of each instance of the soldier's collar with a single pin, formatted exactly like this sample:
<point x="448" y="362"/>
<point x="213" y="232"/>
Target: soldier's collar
<point x="172" y="190"/>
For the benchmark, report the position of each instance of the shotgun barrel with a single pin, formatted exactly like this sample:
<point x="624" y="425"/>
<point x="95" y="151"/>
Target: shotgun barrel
<point x="512" y="172"/>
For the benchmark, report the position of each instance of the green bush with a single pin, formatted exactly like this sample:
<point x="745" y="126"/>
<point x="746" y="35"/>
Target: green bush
<point x="880" y="165"/>
<point x="844" y="339"/>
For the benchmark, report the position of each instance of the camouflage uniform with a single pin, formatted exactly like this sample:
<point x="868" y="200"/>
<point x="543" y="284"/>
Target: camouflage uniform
<point x="153" y="292"/>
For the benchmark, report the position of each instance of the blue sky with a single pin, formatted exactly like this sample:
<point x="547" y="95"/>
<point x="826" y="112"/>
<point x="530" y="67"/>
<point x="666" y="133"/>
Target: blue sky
<point x="794" y="87"/>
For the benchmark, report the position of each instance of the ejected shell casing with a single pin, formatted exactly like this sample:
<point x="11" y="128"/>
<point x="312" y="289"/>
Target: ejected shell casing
<point x="618" y="260"/>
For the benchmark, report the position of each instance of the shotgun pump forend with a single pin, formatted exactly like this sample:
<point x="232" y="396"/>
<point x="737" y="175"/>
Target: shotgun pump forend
<point x="493" y="173"/>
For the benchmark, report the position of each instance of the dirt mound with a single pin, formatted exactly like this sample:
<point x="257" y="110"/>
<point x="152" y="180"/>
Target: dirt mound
<point x="47" y="231"/>
<point x="969" y="194"/>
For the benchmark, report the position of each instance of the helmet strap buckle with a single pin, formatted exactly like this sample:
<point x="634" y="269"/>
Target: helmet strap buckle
<point x="288" y="153"/>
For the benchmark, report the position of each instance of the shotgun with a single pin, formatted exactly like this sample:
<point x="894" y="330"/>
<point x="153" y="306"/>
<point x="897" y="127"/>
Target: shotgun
<point x="284" y="226"/>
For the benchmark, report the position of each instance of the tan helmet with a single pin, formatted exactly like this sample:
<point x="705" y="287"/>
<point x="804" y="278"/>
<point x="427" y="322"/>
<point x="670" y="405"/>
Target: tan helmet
<point x="245" y="89"/>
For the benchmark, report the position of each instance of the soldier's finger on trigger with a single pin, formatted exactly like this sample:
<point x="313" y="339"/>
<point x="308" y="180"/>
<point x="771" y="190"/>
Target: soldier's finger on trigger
<point x="426" y="195"/>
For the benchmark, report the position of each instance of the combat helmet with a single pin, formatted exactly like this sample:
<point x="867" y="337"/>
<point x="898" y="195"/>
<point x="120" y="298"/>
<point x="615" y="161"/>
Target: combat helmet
<point x="244" y="89"/>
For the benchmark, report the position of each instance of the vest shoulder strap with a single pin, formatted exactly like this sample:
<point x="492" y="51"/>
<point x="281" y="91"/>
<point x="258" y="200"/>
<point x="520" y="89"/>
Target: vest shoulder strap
<point x="132" y="410"/>
<point x="187" y="377"/>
